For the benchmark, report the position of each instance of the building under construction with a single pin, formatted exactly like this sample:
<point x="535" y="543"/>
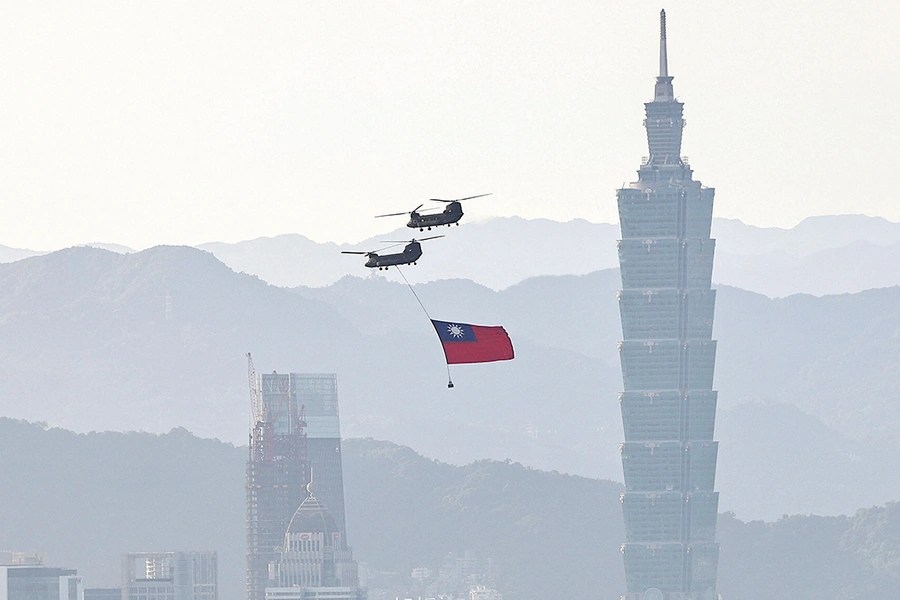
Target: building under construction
<point x="295" y="437"/>
<point x="277" y="472"/>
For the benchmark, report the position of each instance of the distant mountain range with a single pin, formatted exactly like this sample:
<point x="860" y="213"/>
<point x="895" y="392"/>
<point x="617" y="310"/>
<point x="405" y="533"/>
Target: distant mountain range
<point x="84" y="500"/>
<point x="8" y="254"/>
<point x="809" y="413"/>
<point x="821" y="255"/>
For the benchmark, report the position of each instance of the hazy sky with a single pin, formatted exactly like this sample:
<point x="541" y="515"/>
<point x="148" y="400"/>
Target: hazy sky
<point x="143" y="123"/>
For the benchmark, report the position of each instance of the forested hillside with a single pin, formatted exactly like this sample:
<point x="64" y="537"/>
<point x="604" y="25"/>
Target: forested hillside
<point x="84" y="499"/>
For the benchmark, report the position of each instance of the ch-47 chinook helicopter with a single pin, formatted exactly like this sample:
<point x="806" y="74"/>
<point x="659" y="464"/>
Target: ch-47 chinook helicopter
<point x="451" y="214"/>
<point x="411" y="253"/>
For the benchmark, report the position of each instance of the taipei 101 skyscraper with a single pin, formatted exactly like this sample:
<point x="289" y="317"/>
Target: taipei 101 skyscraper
<point x="668" y="357"/>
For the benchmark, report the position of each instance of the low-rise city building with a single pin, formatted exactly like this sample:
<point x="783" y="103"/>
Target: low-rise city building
<point x="23" y="577"/>
<point x="170" y="576"/>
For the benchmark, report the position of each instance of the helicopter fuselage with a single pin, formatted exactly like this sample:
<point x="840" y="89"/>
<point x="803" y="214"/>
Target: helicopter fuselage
<point x="411" y="253"/>
<point x="451" y="214"/>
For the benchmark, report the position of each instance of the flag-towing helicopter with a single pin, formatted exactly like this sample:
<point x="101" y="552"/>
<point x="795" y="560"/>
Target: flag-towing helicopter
<point x="426" y="220"/>
<point x="410" y="254"/>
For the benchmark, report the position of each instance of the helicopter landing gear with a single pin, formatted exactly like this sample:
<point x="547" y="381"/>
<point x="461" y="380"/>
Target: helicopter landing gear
<point x="429" y="229"/>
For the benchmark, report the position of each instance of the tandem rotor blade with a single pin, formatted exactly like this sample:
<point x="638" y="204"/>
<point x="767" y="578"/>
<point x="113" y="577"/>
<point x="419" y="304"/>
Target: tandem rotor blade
<point x="352" y="252"/>
<point x="400" y="213"/>
<point x="393" y="245"/>
<point x="411" y="241"/>
<point x="461" y="199"/>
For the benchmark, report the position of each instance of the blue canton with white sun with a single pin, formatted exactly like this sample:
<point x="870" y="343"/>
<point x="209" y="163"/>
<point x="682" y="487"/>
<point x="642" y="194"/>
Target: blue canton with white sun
<point x="454" y="332"/>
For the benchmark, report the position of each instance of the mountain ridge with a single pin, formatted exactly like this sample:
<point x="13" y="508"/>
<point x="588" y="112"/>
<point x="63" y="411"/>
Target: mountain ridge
<point x="821" y="255"/>
<point x="158" y="338"/>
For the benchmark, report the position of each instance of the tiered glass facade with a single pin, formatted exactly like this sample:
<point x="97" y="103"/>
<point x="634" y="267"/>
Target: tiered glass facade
<point x="667" y="356"/>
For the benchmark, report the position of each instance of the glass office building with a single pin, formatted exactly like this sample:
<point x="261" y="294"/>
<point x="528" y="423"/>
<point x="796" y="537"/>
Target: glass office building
<point x="317" y="394"/>
<point x="35" y="582"/>
<point x="667" y="357"/>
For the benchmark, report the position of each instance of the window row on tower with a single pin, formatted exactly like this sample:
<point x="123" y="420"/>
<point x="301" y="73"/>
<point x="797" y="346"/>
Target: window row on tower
<point x="671" y="568"/>
<point x="654" y="263"/>
<point x="667" y="314"/>
<point x="669" y="466"/>
<point x="668" y="415"/>
<point x="667" y="364"/>
<point x="664" y="124"/>
<point x="670" y="516"/>
<point x="680" y="209"/>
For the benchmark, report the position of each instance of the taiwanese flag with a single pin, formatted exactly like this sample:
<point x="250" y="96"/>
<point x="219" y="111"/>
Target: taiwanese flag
<point x="465" y="343"/>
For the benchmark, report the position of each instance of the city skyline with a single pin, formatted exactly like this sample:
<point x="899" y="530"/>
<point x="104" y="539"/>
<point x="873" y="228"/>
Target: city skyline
<point x="158" y="125"/>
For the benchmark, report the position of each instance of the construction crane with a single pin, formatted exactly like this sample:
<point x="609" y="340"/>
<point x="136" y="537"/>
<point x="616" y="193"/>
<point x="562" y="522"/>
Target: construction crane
<point x="256" y="404"/>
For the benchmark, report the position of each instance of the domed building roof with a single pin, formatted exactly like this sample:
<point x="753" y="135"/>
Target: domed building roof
<point x="312" y="517"/>
<point x="316" y="556"/>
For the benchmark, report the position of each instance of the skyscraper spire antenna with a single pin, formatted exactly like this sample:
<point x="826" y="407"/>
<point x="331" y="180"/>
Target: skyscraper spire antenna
<point x="663" y="59"/>
<point x="663" y="91"/>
